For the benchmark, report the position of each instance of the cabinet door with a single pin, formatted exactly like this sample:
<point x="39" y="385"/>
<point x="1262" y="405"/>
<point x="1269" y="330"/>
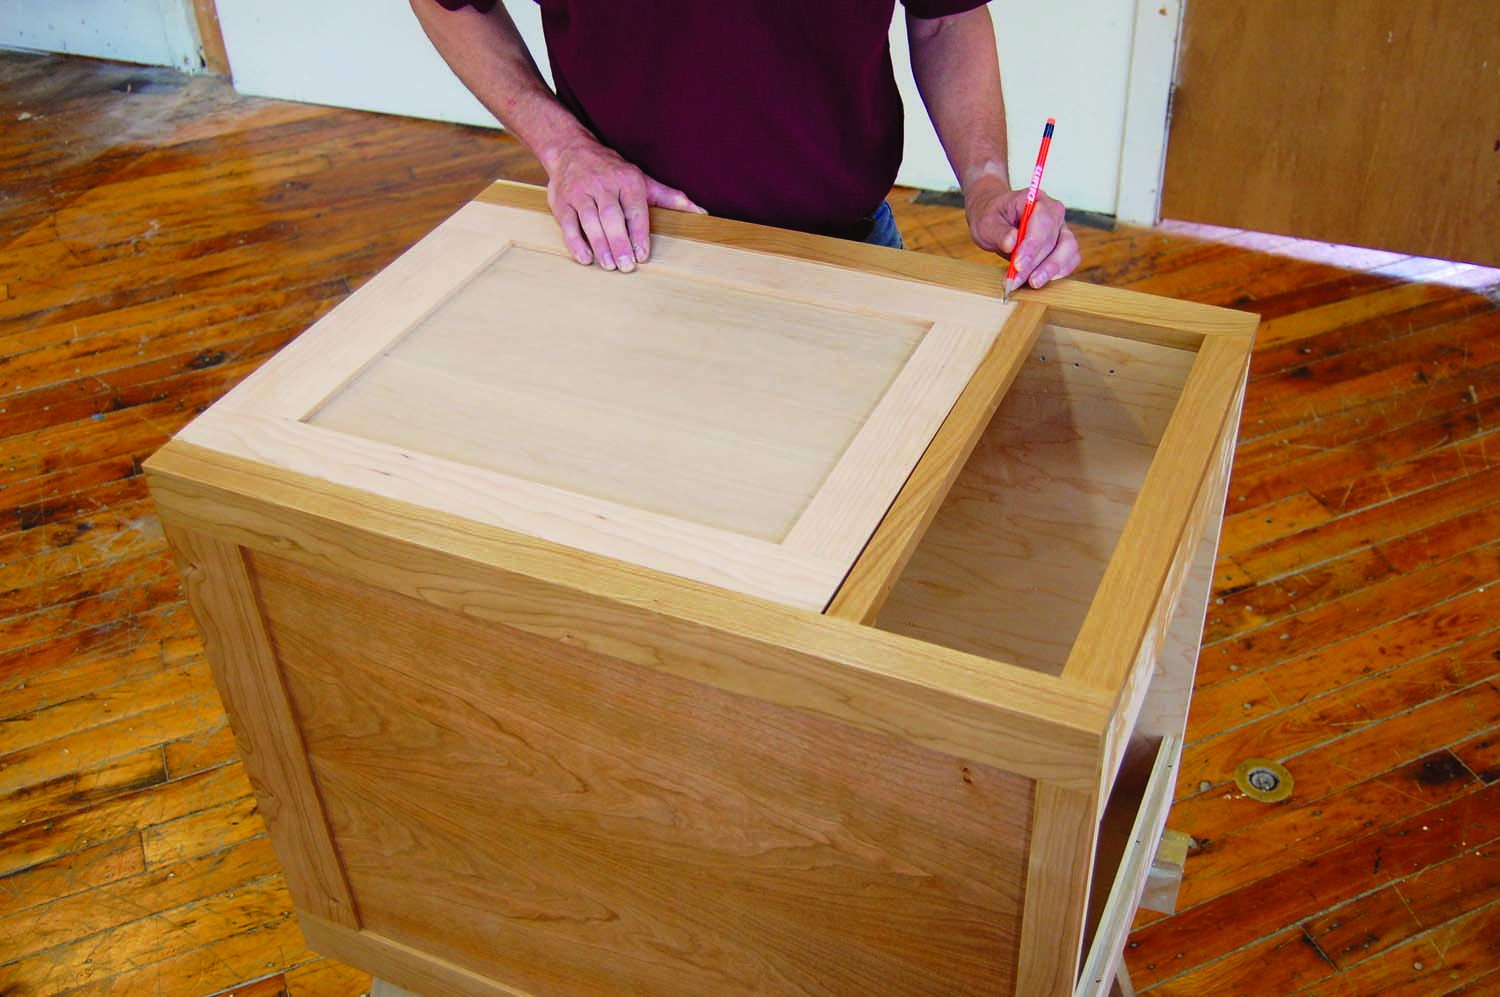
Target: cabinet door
<point x="735" y="417"/>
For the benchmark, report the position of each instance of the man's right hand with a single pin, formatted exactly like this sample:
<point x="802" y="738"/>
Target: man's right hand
<point x="601" y="203"/>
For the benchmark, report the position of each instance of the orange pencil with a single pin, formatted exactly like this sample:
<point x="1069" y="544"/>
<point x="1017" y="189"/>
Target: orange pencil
<point x="1036" y="185"/>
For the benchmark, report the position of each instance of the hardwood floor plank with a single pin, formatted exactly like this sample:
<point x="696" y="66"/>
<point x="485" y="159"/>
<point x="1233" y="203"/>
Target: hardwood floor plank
<point x="326" y="978"/>
<point x="1333" y="467"/>
<point x="1296" y="338"/>
<point x="1372" y="373"/>
<point x="1259" y="451"/>
<point x="1243" y="281"/>
<point x="271" y="986"/>
<point x="1376" y="609"/>
<point x="126" y="815"/>
<point x="125" y="388"/>
<point x="1448" y="956"/>
<point x="107" y="351"/>
<point x="77" y="790"/>
<point x="1347" y="284"/>
<point x="108" y="741"/>
<point x="45" y="354"/>
<point x="1391" y="481"/>
<point x="1429" y="306"/>
<point x="1199" y="935"/>
<point x="1482" y="756"/>
<point x="1439" y="627"/>
<point x="1237" y="613"/>
<point x="1369" y="527"/>
<point x="1442" y="540"/>
<point x="1233" y="853"/>
<point x="59" y="550"/>
<point x="202" y="833"/>
<point x="1480" y="986"/>
<point x="232" y="954"/>
<point x="102" y="958"/>
<point x="99" y="610"/>
<point x="73" y="589"/>
<point x="72" y="506"/>
<point x="1273" y="521"/>
<point x="57" y="670"/>
<point x="56" y="727"/>
<point x="1342" y="711"/>
<point x="1281" y="963"/>
<point x="1432" y="897"/>
<point x="206" y="750"/>
<point x="117" y="904"/>
<point x="70" y="874"/>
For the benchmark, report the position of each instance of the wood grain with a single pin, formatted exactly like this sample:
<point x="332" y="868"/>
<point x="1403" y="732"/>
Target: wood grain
<point x="1426" y="187"/>
<point x="221" y="592"/>
<point x="881" y="563"/>
<point x="586" y="417"/>
<point x="1042" y="502"/>
<point x="563" y="835"/>
<point x="973" y="708"/>
<point x="1064" y="833"/>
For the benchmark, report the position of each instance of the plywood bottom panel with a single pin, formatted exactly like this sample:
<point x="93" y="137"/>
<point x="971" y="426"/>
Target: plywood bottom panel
<point x="1012" y="560"/>
<point x="566" y="822"/>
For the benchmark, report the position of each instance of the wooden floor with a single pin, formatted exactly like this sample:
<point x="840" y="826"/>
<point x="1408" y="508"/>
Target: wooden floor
<point x="159" y="237"/>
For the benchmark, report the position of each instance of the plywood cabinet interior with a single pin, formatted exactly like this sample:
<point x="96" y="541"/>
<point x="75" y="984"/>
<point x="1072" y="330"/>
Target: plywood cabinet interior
<point x="789" y="616"/>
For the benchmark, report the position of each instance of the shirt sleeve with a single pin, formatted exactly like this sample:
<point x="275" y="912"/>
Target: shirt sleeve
<point x="483" y="6"/>
<point x="928" y="9"/>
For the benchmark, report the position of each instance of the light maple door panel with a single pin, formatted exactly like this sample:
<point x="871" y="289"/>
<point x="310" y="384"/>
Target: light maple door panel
<point x="730" y="417"/>
<point x="1374" y="123"/>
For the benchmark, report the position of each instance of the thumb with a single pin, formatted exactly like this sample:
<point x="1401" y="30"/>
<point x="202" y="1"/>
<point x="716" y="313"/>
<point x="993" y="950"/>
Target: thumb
<point x="661" y="196"/>
<point x="1009" y="239"/>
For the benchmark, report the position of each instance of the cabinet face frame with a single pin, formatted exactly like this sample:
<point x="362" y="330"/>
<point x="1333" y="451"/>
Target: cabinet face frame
<point x="1068" y="735"/>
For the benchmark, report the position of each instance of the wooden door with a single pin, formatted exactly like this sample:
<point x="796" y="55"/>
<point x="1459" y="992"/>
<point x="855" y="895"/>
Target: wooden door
<point x="1374" y="123"/>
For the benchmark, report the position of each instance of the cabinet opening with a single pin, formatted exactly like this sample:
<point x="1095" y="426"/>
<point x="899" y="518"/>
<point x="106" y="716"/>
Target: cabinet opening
<point x="1012" y="560"/>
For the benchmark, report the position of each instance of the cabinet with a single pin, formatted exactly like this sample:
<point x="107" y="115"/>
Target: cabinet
<point x="789" y="616"/>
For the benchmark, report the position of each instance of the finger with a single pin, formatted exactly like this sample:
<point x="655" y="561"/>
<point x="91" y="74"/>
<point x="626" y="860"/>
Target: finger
<point x="637" y="213"/>
<point x="588" y="219"/>
<point x="1063" y="261"/>
<point x="662" y="196"/>
<point x="572" y="234"/>
<point x="616" y="233"/>
<point x="1042" y="232"/>
<point x="993" y="233"/>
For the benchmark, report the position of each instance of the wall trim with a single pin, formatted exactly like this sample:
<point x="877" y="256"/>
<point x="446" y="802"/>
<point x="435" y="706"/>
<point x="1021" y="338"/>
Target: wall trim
<point x="1153" y="67"/>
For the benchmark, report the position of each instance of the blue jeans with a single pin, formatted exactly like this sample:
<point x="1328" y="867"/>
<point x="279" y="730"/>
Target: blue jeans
<point x="885" y="232"/>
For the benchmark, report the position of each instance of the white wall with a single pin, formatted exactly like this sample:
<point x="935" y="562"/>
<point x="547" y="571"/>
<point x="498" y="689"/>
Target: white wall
<point x="151" y="32"/>
<point x="354" y="53"/>
<point x="1067" y="61"/>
